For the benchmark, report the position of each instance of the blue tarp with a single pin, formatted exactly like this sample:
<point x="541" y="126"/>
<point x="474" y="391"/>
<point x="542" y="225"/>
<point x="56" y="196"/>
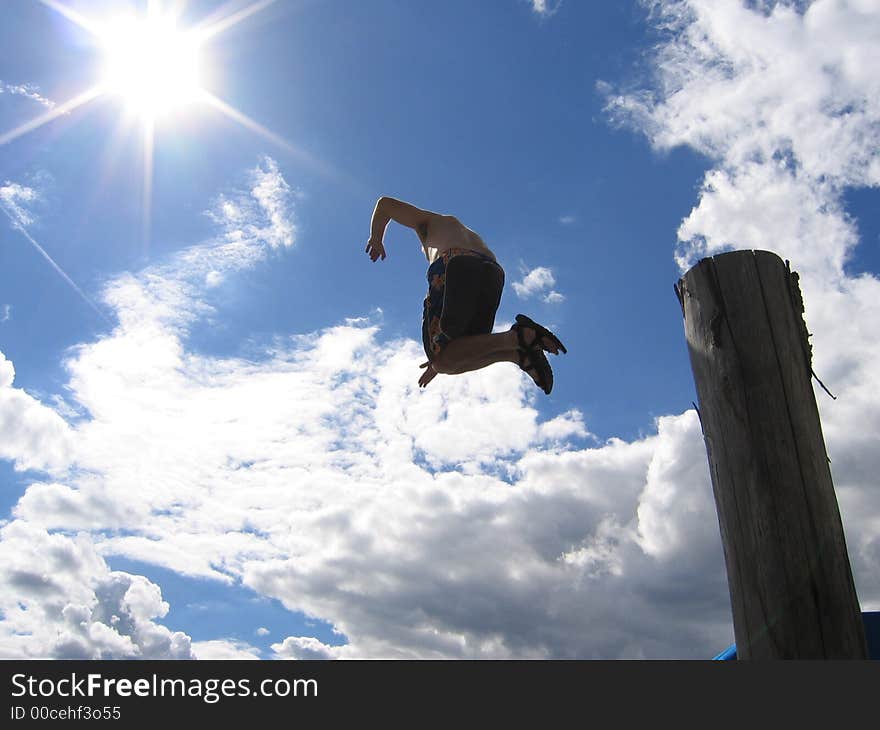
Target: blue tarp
<point x="872" y="635"/>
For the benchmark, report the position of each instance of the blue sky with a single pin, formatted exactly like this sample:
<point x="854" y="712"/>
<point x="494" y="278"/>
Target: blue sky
<point x="516" y="102"/>
<point x="239" y="321"/>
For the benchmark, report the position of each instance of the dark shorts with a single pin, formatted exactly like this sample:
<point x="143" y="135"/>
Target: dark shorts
<point x="464" y="291"/>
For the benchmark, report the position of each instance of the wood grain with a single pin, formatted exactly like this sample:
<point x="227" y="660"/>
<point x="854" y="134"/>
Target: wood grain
<point x="791" y="586"/>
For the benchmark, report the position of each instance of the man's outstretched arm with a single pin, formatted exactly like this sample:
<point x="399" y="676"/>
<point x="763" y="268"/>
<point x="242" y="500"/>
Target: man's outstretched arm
<point x="388" y="209"/>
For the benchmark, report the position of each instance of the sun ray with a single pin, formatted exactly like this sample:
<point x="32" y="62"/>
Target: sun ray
<point x="74" y="17"/>
<point x="60" y="110"/>
<point x="175" y="8"/>
<point x="246" y="121"/>
<point x="23" y="231"/>
<point x="240" y="117"/>
<point x="219" y="23"/>
<point x="147" y="200"/>
<point x="153" y="67"/>
<point x="107" y="162"/>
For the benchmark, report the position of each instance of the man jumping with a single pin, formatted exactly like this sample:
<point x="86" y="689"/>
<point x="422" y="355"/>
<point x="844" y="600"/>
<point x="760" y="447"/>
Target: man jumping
<point x="464" y="291"/>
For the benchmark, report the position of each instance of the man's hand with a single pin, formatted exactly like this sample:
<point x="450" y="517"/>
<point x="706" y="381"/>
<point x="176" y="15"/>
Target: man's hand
<point x="428" y="375"/>
<point x="375" y="249"/>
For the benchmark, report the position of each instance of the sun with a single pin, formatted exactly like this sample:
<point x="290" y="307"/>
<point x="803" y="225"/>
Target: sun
<point x="156" y="69"/>
<point x="150" y="64"/>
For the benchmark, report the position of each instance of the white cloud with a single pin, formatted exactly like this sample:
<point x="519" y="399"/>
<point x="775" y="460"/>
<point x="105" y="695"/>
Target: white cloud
<point x="764" y="206"/>
<point x="545" y="8"/>
<point x="538" y="282"/>
<point x="225" y="649"/>
<point x="785" y="104"/>
<point x="253" y="223"/>
<point x="14" y="198"/>
<point x="781" y="96"/>
<point x="7" y="372"/>
<point x="28" y="91"/>
<point x="567" y="220"/>
<point x="263" y="214"/>
<point x="676" y="512"/>
<point x="304" y="647"/>
<point x="213" y="278"/>
<point x="262" y="631"/>
<point x="5" y="313"/>
<point x="32" y="435"/>
<point x="345" y="501"/>
<point x="563" y="427"/>
<point x="451" y="522"/>
<point x="60" y="600"/>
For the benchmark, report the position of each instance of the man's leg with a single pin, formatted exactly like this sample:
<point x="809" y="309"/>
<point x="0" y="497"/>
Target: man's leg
<point x="473" y="352"/>
<point x="464" y="280"/>
<point x="471" y="296"/>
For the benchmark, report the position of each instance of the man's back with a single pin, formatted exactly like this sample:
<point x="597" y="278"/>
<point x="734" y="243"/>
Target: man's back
<point x="443" y="232"/>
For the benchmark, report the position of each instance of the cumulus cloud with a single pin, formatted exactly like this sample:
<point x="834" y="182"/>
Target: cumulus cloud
<point x="456" y="521"/>
<point x="450" y="522"/>
<point x="344" y="501"/>
<point x="787" y="106"/>
<point x="781" y="97"/>
<point x="304" y="647"/>
<point x="225" y="649"/>
<point x="5" y="313"/>
<point x="563" y="427"/>
<point x="538" y="282"/>
<point x="60" y="600"/>
<point x="32" y="435"/>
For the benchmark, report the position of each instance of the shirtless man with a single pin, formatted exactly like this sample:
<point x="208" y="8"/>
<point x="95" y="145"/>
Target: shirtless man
<point x="464" y="291"/>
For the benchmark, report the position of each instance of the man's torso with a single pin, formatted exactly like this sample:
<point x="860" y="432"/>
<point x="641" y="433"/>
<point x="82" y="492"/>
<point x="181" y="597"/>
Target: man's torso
<point x="445" y="232"/>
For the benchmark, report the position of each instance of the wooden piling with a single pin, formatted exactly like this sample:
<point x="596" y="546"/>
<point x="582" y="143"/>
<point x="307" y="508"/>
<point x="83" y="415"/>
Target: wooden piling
<point x="791" y="585"/>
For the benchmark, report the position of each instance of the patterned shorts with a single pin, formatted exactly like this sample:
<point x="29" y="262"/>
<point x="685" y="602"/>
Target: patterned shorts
<point x="464" y="291"/>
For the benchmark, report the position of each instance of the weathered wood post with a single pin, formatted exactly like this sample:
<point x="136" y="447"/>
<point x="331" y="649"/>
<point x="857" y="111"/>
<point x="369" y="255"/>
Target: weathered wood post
<point x="791" y="586"/>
